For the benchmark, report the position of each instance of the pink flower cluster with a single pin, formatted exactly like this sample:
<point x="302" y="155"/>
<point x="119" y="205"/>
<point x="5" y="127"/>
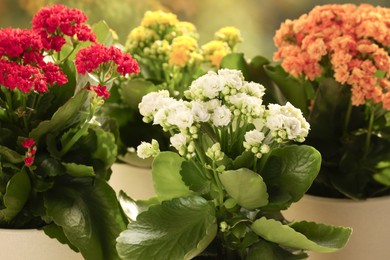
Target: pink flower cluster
<point x="22" y="62"/>
<point x="29" y="144"/>
<point x="90" y="58"/>
<point x="350" y="42"/>
<point x="53" y="22"/>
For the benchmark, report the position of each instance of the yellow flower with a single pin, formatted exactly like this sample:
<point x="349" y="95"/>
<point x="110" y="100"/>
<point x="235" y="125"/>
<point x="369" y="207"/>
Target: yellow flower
<point x="156" y="18"/>
<point x="187" y="28"/>
<point x="184" y="50"/>
<point x="214" y="51"/>
<point x="140" y="37"/>
<point x="229" y="34"/>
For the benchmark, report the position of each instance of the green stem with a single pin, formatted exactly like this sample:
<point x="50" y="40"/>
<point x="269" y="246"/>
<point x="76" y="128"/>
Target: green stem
<point x="70" y="53"/>
<point x="24" y="104"/>
<point x="369" y="131"/>
<point x="347" y="119"/>
<point x="219" y="185"/>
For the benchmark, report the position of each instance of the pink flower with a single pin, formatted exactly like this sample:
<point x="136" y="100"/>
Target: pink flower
<point x="29" y="144"/>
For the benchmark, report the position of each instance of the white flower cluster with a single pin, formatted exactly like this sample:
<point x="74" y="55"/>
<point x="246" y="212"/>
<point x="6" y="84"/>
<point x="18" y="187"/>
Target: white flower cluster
<point x="287" y="123"/>
<point x="146" y="150"/>
<point x="224" y="100"/>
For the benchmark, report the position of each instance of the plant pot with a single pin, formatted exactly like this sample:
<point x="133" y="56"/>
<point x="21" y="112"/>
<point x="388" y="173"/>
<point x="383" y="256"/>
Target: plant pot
<point x="369" y="220"/>
<point x="33" y="244"/>
<point x="135" y="181"/>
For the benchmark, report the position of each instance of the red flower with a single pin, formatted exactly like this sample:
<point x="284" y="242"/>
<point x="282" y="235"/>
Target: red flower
<point x="28" y="143"/>
<point x="29" y="161"/>
<point x="21" y="43"/>
<point x="89" y="59"/>
<point x="53" y="22"/>
<point x="100" y="90"/>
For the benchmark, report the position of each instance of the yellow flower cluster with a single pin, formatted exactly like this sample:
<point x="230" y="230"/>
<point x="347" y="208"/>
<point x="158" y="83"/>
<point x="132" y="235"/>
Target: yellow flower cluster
<point x="168" y="51"/>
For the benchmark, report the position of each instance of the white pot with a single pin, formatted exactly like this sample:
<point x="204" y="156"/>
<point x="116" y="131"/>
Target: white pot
<point x="33" y="244"/>
<point x="135" y="181"/>
<point x="369" y="220"/>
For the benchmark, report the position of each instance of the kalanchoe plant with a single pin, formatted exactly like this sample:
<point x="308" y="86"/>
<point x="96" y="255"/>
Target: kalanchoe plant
<point x="170" y="58"/>
<point x="340" y="55"/>
<point x="235" y="168"/>
<point x="55" y="151"/>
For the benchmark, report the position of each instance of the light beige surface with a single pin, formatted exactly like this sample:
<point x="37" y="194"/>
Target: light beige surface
<point x="369" y="219"/>
<point x="135" y="181"/>
<point x="32" y="244"/>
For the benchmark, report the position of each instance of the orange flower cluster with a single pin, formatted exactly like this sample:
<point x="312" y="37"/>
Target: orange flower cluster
<point x="349" y="42"/>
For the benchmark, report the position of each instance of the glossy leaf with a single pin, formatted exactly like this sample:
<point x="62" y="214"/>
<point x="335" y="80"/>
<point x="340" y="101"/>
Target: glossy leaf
<point x="246" y="187"/>
<point x="133" y="90"/>
<point x="320" y="238"/>
<point x="16" y="195"/>
<point x="79" y="170"/>
<point x="106" y="149"/>
<point x="177" y="229"/>
<point x="103" y="33"/>
<point x="289" y="173"/>
<point x="195" y="177"/>
<point x="236" y="61"/>
<point x="167" y="180"/>
<point x="65" y="116"/>
<point x="89" y="215"/>
<point x="10" y="155"/>
<point x="295" y="92"/>
<point x="270" y="251"/>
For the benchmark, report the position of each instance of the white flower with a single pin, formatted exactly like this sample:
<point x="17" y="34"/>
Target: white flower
<point x="221" y="116"/>
<point x="200" y="111"/>
<point x="253" y="89"/>
<point x="233" y="78"/>
<point x="254" y="137"/>
<point x="287" y="122"/>
<point x="180" y="114"/>
<point x="206" y="87"/>
<point x="152" y="102"/>
<point x="179" y="141"/>
<point x="146" y="150"/>
<point x="215" y="153"/>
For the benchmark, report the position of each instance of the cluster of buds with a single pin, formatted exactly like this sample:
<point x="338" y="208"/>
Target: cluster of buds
<point x="29" y="144"/>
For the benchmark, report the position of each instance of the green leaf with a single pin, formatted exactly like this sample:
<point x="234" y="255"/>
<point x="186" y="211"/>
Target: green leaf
<point x="133" y="90"/>
<point x="270" y="251"/>
<point x="177" y="229"/>
<point x="64" y="117"/>
<point x="90" y="216"/>
<point x="289" y="173"/>
<point x="103" y="33"/>
<point x="166" y="176"/>
<point x="10" y="155"/>
<point x="326" y="239"/>
<point x="195" y="177"/>
<point x="106" y="147"/>
<point x="54" y="231"/>
<point x="295" y="92"/>
<point x="236" y="61"/>
<point x="246" y="187"/>
<point x="79" y="170"/>
<point x="16" y="195"/>
<point x="325" y="235"/>
<point x="383" y="176"/>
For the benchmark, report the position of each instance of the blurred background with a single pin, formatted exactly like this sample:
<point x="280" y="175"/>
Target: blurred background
<point x="257" y="19"/>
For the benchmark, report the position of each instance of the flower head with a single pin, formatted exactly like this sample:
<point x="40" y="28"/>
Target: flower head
<point x="52" y="23"/>
<point x="91" y="58"/>
<point x="354" y="39"/>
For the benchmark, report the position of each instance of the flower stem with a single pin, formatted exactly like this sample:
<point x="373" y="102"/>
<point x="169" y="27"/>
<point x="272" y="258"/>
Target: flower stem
<point x="347" y="119"/>
<point x="219" y="185"/>
<point x="369" y="131"/>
